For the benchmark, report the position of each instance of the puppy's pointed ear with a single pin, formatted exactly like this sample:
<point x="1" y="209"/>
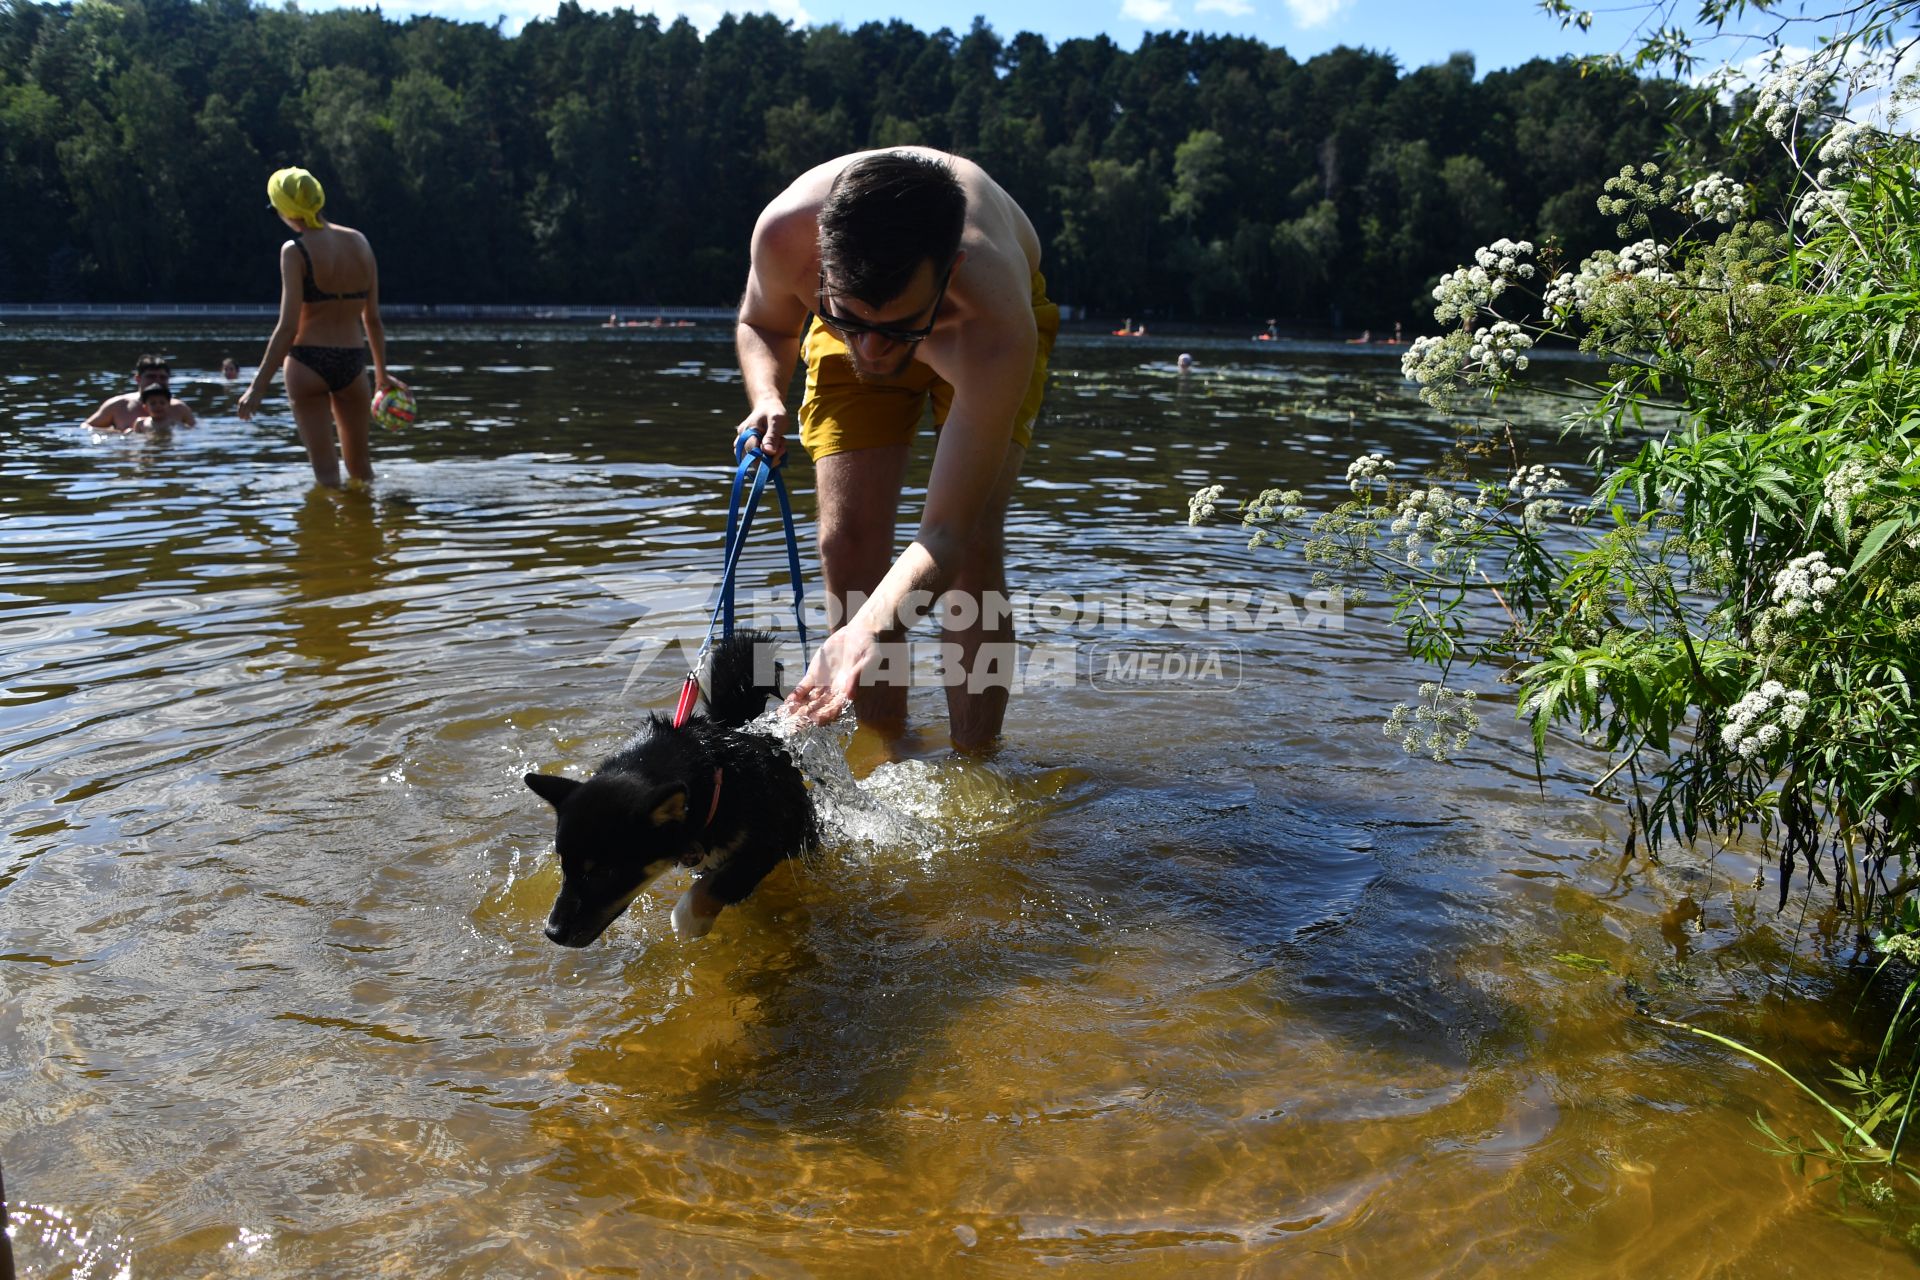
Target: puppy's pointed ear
<point x="668" y="804"/>
<point x="551" y="787"/>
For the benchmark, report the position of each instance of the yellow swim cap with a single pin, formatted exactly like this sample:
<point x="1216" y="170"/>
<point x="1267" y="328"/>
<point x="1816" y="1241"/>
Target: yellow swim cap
<point x="297" y="194"/>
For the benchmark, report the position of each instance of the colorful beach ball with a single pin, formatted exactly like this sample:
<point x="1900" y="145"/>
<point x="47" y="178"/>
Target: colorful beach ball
<point x="394" y="407"/>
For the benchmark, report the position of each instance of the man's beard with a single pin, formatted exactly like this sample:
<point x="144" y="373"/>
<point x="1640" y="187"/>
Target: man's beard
<point x="870" y="374"/>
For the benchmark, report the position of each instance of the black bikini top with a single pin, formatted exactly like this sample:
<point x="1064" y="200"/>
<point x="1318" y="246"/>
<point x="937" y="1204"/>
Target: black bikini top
<point x="312" y="292"/>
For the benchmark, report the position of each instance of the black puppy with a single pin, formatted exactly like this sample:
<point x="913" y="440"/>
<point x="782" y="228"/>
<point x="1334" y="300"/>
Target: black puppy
<point x="708" y="795"/>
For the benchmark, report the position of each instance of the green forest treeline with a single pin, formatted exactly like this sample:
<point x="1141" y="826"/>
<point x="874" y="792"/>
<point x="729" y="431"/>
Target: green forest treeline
<point x="601" y="157"/>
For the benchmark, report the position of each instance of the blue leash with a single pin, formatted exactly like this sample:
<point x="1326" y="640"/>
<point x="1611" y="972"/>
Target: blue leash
<point x="750" y="464"/>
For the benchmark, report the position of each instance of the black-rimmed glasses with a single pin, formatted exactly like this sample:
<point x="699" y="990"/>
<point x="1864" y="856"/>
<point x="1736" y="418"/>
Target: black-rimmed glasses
<point x="848" y="328"/>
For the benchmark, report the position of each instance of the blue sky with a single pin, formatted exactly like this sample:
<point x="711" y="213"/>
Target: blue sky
<point x="1499" y="33"/>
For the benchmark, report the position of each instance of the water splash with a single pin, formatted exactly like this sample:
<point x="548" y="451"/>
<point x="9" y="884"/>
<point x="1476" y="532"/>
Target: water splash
<point x="912" y="808"/>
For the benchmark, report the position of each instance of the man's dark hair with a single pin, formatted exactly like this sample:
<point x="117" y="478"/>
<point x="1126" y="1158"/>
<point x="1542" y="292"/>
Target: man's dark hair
<point x="884" y="215"/>
<point x="148" y="363"/>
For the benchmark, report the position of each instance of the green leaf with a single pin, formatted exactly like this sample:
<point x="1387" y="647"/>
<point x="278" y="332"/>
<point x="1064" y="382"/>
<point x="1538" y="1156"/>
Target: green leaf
<point x="1881" y="535"/>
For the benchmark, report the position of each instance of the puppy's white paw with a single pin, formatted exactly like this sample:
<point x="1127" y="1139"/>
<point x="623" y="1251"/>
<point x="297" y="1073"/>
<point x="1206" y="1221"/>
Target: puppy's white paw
<point x="688" y="923"/>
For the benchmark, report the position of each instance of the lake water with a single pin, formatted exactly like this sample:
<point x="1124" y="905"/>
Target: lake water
<point x="1200" y="976"/>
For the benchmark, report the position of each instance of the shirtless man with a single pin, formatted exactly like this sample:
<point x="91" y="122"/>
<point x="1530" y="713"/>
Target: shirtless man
<point x="923" y="278"/>
<point x="121" y="412"/>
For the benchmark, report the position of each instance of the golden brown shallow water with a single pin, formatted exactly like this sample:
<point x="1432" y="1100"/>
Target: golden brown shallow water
<point x="1185" y="982"/>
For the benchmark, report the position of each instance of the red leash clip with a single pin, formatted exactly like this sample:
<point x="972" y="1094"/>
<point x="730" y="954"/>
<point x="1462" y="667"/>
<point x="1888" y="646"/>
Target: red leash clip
<point x="689" y="694"/>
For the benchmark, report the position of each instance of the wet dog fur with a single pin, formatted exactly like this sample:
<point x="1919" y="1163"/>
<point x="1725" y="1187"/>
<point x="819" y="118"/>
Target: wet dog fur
<point x="708" y="795"/>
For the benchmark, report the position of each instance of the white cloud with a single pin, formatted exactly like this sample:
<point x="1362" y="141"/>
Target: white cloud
<point x="1232" y="8"/>
<point x="1315" y="13"/>
<point x="1146" y="10"/>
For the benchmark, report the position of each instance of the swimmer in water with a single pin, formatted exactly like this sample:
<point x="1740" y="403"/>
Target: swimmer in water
<point x="118" y="413"/>
<point x="160" y="411"/>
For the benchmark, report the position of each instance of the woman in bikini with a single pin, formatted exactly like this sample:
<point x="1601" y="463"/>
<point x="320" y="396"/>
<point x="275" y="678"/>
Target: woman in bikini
<point x="329" y="297"/>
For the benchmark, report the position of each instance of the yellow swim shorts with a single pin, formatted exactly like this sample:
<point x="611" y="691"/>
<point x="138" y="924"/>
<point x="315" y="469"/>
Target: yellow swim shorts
<point x="842" y="412"/>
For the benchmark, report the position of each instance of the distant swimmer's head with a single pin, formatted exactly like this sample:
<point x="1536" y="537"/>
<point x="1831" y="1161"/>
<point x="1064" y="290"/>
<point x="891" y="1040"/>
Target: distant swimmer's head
<point x="297" y="196"/>
<point x="888" y="217"/>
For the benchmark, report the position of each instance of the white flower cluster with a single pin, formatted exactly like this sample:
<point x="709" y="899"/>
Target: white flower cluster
<point x="1272" y="507"/>
<point x="1567" y="293"/>
<point x="1846" y="482"/>
<point x="1845" y="144"/>
<point x="1818" y="204"/>
<point x="1759" y="719"/>
<point x="1365" y="469"/>
<point x="1804" y="584"/>
<point x="1434" y="515"/>
<point x="1200" y="505"/>
<point x="1504" y="345"/>
<point x="1715" y="197"/>
<point x="1502" y="258"/>
<point x="1464" y="293"/>
<point x="1536" y="515"/>
<point x="1443" y="722"/>
<point x="1790" y="92"/>
<point x="1422" y="509"/>
<point x="1533" y="485"/>
<point x="1536" y="481"/>
<point x="1274" y="504"/>
<point x="1643" y="262"/>
<point x="1426" y="359"/>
